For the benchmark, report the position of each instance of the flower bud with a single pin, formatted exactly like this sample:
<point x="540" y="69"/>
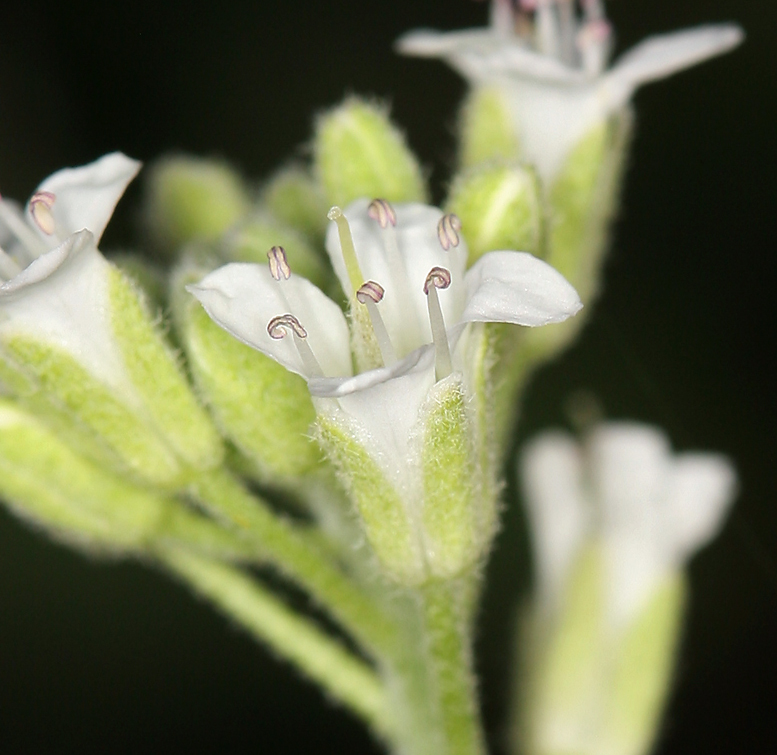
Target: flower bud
<point x="294" y="198"/>
<point x="43" y="480"/>
<point x="358" y="152"/>
<point x="500" y="206"/>
<point x="486" y="130"/>
<point x="190" y="198"/>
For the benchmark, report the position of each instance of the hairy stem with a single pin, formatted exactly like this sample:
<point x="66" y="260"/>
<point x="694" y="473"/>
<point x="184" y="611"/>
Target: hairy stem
<point x="300" y="559"/>
<point x="294" y="637"/>
<point x="449" y="657"/>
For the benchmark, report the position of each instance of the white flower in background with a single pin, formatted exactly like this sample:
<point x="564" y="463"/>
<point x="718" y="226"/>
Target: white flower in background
<point x="56" y="279"/>
<point x="623" y="489"/>
<point x="404" y="271"/>
<point x="550" y="64"/>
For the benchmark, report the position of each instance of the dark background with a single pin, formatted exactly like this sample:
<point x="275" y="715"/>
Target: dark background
<point x="114" y="657"/>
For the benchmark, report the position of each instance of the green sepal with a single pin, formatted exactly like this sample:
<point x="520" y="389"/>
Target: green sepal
<point x="386" y="521"/>
<point x="92" y="404"/>
<point x="44" y="481"/>
<point x="251" y="240"/>
<point x="582" y="202"/>
<point x="292" y="196"/>
<point x="168" y="401"/>
<point x="485" y="129"/>
<point x="500" y="207"/>
<point x="358" y="152"/>
<point x="192" y="199"/>
<point x="264" y="409"/>
<point x="151" y="279"/>
<point x="450" y="480"/>
<point x="643" y="670"/>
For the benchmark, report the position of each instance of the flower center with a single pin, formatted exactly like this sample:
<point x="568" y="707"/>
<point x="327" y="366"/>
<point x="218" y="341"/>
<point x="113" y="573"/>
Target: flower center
<point x="574" y="32"/>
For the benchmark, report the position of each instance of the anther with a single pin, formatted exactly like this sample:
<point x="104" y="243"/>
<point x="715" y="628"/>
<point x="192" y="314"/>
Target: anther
<point x="448" y="231"/>
<point x="280" y="325"/>
<point x="279" y="266"/>
<point x="438" y="277"/>
<point x="355" y="276"/>
<point x="370" y="291"/>
<point x="381" y="211"/>
<point x="40" y="209"/>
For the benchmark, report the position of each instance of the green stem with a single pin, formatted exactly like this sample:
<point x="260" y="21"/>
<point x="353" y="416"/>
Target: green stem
<point x="294" y="637"/>
<point x="299" y="558"/>
<point x="449" y="655"/>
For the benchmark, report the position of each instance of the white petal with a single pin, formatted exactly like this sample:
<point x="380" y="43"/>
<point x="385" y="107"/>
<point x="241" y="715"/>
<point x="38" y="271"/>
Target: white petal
<point x="661" y="56"/>
<point x="518" y="288"/>
<point x="701" y="490"/>
<point x="559" y="517"/>
<point x="629" y="469"/>
<point x="242" y="298"/>
<point x="62" y="299"/>
<point x="382" y="407"/>
<point x="404" y="307"/>
<point x="480" y="55"/>
<point x="87" y="196"/>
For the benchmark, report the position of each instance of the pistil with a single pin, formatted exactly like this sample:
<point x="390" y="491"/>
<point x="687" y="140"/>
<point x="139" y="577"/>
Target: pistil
<point x="438" y="277"/>
<point x="355" y="277"/>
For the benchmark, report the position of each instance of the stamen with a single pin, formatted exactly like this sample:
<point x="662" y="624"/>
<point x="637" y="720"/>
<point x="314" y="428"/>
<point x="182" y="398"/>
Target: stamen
<point x="32" y="245"/>
<point x="438" y="277"/>
<point x="9" y="267"/>
<point x="548" y="42"/>
<point x="448" y="231"/>
<point x="370" y="294"/>
<point x="40" y="209"/>
<point x="593" y="41"/>
<point x="501" y="17"/>
<point x="383" y="212"/>
<point x="567" y="29"/>
<point x="593" y="9"/>
<point x="279" y="326"/>
<point x="279" y="265"/>
<point x="355" y="276"/>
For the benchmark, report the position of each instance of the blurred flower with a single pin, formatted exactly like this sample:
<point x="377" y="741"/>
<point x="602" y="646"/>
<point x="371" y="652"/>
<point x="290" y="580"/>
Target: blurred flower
<point x="550" y="64"/>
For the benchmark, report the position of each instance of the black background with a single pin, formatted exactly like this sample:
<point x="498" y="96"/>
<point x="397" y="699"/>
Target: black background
<point x="115" y="657"/>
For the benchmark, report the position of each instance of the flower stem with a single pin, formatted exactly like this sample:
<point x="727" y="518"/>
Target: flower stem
<point x="299" y="558"/>
<point x="294" y="637"/>
<point x="449" y="654"/>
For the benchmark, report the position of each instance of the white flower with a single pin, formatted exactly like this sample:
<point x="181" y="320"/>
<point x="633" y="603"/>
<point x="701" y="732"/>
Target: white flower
<point x="550" y="66"/>
<point x="649" y="509"/>
<point x="56" y="287"/>
<point x="389" y="259"/>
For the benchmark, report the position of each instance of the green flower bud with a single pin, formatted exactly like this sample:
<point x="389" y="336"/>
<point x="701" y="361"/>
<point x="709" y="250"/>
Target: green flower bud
<point x="191" y="198"/>
<point x="292" y="196"/>
<point x="250" y="241"/>
<point x="265" y="410"/>
<point x="44" y="481"/>
<point x="485" y="128"/>
<point x="358" y="152"/>
<point x="500" y="207"/>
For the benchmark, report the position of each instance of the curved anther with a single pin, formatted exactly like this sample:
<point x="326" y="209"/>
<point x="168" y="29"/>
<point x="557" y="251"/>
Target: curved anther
<point x="382" y="212"/>
<point x="40" y="208"/>
<point x="448" y="231"/>
<point x="370" y="291"/>
<point x="280" y="325"/>
<point x="438" y="277"/>
<point x="279" y="266"/>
